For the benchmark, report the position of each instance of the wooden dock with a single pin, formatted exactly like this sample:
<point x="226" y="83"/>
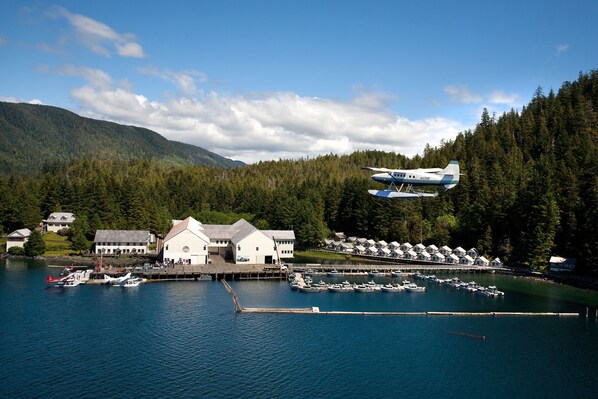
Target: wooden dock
<point x="231" y="271"/>
<point x="316" y="310"/>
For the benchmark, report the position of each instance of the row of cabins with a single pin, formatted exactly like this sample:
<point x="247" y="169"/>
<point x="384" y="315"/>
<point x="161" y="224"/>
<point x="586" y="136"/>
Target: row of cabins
<point x="406" y="251"/>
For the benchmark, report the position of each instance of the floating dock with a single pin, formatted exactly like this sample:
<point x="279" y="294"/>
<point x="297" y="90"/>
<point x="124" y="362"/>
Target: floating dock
<point x="316" y="310"/>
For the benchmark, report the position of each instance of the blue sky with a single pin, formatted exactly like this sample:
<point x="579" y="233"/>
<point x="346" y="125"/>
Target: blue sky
<point x="264" y="80"/>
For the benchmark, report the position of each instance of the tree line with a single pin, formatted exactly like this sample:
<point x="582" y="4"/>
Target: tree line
<point x="529" y="189"/>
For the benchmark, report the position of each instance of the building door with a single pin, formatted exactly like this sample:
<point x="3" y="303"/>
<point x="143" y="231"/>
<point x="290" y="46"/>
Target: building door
<point x="268" y="259"/>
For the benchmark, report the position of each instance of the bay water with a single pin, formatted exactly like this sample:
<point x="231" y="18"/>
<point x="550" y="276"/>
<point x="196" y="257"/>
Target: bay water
<point x="183" y="340"/>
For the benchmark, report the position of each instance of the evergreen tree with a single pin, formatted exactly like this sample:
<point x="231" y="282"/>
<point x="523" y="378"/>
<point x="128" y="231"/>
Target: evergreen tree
<point x="35" y="244"/>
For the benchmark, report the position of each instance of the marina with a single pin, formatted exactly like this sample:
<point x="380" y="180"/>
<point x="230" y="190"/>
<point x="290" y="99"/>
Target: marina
<point x="316" y="310"/>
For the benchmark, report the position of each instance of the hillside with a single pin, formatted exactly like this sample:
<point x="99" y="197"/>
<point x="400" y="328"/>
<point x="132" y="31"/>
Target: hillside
<point x="34" y="135"/>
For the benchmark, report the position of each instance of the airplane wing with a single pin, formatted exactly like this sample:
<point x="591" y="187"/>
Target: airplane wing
<point x="378" y="169"/>
<point x="431" y="170"/>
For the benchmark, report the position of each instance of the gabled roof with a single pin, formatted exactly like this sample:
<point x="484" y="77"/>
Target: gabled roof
<point x="19" y="233"/>
<point x="60" y="217"/>
<point x="122" y="236"/>
<point x="188" y="224"/>
<point x="243" y="229"/>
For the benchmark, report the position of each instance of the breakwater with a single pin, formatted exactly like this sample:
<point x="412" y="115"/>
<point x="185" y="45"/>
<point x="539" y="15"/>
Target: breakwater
<point x="316" y="310"/>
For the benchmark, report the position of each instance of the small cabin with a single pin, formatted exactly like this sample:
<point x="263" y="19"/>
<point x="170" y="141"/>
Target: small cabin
<point x="459" y="252"/>
<point x="481" y="261"/>
<point x="406" y="247"/>
<point x="451" y="259"/>
<point x="445" y="250"/>
<point x="466" y="260"/>
<point x="17" y="238"/>
<point x="385" y="252"/>
<point x="431" y="249"/>
<point x="424" y="256"/>
<point x="496" y="262"/>
<point x="438" y="257"/>
<point x="560" y="264"/>
<point x="381" y="244"/>
<point x="473" y="253"/>
<point x="371" y="251"/>
<point x="419" y="248"/>
<point x="394" y="245"/>
<point x="396" y="253"/>
<point x="339" y="237"/>
<point x="345" y="247"/>
<point x="359" y="250"/>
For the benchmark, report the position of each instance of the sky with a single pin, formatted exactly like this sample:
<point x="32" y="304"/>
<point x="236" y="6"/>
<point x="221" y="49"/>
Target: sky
<point x="288" y="79"/>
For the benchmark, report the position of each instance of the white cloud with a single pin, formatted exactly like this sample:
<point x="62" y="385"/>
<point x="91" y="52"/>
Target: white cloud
<point x="499" y="97"/>
<point x="129" y="49"/>
<point x="185" y="81"/>
<point x="96" y="77"/>
<point x="97" y="36"/>
<point x="461" y="94"/>
<point x="266" y="126"/>
<point x="562" y="48"/>
<point x="17" y="100"/>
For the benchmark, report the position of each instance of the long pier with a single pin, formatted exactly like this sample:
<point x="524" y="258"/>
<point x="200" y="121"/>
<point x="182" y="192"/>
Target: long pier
<point x="316" y="310"/>
<point x="228" y="271"/>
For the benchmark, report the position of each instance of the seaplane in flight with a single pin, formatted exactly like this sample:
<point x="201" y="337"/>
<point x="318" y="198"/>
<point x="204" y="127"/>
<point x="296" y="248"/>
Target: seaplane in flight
<point x="401" y="182"/>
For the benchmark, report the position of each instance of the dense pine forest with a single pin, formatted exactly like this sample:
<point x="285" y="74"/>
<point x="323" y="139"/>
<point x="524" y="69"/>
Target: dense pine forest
<point x="529" y="189"/>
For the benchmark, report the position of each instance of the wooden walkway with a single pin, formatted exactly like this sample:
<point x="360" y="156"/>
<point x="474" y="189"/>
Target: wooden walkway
<point x="316" y="310"/>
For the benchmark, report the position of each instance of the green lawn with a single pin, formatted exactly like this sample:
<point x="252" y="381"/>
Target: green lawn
<point x="56" y="244"/>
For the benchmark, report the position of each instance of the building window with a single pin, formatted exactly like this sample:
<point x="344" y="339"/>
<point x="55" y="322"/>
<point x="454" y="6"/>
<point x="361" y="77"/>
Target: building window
<point x="257" y="249"/>
<point x="238" y="248"/>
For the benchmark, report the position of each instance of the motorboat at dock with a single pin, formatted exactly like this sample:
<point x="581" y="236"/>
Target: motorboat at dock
<point x="392" y="288"/>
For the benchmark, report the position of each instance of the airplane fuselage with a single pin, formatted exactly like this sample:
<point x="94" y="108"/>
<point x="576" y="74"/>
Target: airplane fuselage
<point x="415" y="178"/>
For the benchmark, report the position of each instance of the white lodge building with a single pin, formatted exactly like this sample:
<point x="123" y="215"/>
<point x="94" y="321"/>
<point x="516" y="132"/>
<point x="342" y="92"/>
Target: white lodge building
<point x="190" y="242"/>
<point x="116" y="242"/>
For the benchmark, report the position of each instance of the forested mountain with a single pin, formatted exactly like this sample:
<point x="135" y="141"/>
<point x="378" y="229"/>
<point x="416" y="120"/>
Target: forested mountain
<point x="529" y="189"/>
<point x="34" y="135"/>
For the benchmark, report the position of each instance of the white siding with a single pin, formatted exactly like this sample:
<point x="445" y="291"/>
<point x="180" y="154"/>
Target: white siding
<point x="187" y="248"/>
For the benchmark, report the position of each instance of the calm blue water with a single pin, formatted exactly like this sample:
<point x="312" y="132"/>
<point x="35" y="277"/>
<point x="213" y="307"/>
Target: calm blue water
<point x="183" y="340"/>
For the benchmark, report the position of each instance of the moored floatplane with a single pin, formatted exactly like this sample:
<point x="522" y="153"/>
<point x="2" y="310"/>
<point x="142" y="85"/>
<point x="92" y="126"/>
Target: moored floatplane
<point x="70" y="277"/>
<point x="126" y="281"/>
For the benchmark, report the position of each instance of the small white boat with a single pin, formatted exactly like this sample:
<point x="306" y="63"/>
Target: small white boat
<point x="367" y="288"/>
<point x="392" y="288"/>
<point x="341" y="288"/>
<point x="412" y="287"/>
<point x="309" y="288"/>
<point x="493" y="292"/>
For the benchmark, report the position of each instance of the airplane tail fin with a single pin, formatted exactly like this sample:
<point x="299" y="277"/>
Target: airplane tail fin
<point x="451" y="174"/>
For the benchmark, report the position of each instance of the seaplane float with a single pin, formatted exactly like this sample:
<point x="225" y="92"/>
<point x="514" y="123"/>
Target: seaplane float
<point x="126" y="281"/>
